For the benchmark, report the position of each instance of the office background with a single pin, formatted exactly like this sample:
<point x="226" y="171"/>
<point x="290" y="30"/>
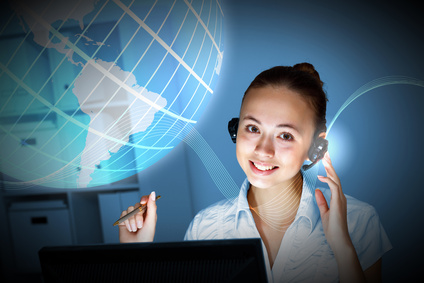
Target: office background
<point x="375" y="143"/>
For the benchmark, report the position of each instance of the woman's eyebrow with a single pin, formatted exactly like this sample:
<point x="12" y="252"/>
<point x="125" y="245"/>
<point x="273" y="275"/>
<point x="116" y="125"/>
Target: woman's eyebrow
<point x="291" y="126"/>
<point x="248" y="117"/>
<point x="284" y="125"/>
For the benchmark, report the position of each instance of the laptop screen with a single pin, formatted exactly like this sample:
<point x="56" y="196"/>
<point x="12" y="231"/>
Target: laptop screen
<point x="235" y="260"/>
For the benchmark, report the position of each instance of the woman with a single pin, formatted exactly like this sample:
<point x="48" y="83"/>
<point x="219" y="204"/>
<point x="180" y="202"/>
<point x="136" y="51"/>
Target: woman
<point x="282" y="114"/>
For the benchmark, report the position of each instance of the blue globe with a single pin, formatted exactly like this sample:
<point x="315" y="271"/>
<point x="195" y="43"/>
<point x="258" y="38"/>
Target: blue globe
<point x="94" y="91"/>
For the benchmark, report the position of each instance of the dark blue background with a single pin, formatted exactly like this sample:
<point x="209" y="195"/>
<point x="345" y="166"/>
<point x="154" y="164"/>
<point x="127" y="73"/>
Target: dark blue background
<point x="375" y="144"/>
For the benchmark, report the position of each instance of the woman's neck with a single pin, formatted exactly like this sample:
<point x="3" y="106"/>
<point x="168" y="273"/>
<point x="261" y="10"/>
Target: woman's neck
<point x="277" y="207"/>
<point x="259" y="196"/>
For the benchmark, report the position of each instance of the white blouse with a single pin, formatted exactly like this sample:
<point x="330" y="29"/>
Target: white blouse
<point x="304" y="254"/>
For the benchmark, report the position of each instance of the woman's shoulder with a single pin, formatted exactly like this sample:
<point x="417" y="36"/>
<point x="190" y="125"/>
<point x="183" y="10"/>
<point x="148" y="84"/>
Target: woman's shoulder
<point x="355" y="205"/>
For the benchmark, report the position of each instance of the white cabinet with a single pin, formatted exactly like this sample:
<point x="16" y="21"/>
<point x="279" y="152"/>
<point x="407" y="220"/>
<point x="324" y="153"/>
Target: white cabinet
<point x="34" y="225"/>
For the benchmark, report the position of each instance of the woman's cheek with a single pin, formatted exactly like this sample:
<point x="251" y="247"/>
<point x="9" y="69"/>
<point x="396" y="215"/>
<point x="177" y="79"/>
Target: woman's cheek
<point x="245" y="142"/>
<point x="291" y="154"/>
<point x="244" y="148"/>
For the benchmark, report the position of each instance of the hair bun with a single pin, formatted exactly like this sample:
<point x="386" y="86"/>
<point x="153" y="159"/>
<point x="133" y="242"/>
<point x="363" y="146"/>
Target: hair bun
<point x="308" y="68"/>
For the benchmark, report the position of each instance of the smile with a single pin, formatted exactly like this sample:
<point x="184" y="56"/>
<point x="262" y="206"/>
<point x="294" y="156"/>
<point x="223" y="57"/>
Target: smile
<point x="263" y="167"/>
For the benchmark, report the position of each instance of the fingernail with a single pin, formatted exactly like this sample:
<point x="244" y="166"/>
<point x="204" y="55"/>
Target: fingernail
<point x="133" y="227"/>
<point x="153" y="196"/>
<point x="139" y="224"/>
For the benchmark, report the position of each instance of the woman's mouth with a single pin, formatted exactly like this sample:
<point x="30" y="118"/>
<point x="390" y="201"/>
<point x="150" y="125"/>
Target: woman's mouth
<point x="262" y="168"/>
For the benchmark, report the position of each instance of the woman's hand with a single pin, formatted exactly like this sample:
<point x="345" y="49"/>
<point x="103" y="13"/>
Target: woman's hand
<point x="334" y="222"/>
<point x="141" y="227"/>
<point x="334" y="219"/>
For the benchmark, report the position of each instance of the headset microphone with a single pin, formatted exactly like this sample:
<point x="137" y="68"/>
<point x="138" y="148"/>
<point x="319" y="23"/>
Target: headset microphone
<point x="316" y="152"/>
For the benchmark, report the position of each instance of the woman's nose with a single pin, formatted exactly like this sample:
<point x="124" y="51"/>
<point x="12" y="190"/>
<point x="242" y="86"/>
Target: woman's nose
<point x="265" y="147"/>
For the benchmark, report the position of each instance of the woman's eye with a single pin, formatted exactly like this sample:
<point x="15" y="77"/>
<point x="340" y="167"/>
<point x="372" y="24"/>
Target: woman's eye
<point x="252" y="129"/>
<point x="286" y="136"/>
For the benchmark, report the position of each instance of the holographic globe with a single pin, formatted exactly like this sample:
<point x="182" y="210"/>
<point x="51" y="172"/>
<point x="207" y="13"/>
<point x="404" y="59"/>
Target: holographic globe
<point x="92" y="92"/>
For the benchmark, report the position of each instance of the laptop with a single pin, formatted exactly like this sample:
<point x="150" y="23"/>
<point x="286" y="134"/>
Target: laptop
<point x="235" y="260"/>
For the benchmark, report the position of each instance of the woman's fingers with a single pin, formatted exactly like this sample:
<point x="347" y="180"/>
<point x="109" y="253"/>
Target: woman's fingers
<point x="332" y="179"/>
<point x="141" y="226"/>
<point x="334" y="187"/>
<point x="144" y="200"/>
<point x="334" y="218"/>
<point x="130" y="222"/>
<point x="138" y="220"/>
<point x="135" y="222"/>
<point x="321" y="202"/>
<point x="151" y="215"/>
<point x="329" y="169"/>
<point x="126" y="223"/>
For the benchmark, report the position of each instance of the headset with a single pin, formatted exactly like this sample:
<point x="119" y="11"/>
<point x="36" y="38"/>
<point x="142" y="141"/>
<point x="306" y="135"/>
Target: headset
<point x="316" y="152"/>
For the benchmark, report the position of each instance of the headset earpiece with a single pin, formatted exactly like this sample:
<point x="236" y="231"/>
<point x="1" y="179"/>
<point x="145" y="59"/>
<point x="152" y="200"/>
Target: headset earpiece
<point x="232" y="128"/>
<point x="316" y="152"/>
<point x="318" y="149"/>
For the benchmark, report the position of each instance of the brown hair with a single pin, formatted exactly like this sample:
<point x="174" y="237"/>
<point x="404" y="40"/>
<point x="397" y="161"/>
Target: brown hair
<point x="301" y="78"/>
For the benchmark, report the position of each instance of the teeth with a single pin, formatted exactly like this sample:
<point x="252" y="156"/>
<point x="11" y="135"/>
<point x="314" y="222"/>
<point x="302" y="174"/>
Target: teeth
<point x="263" y="168"/>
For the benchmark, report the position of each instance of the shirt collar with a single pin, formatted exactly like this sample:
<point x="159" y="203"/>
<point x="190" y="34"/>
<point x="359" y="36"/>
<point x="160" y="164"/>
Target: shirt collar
<point x="242" y="204"/>
<point x="308" y="208"/>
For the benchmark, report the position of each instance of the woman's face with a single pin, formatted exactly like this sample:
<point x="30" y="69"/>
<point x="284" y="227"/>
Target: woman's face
<point x="274" y="135"/>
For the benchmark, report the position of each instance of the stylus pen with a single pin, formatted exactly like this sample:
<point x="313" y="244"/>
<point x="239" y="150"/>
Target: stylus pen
<point x="137" y="210"/>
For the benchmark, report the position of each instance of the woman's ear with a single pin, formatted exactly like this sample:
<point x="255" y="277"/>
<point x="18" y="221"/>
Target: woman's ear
<point x="322" y="135"/>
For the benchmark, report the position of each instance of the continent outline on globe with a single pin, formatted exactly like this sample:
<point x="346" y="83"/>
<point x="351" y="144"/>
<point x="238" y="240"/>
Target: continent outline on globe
<point x="106" y="114"/>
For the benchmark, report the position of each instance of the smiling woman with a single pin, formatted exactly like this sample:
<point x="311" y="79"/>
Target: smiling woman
<point x="274" y="114"/>
<point x="282" y="114"/>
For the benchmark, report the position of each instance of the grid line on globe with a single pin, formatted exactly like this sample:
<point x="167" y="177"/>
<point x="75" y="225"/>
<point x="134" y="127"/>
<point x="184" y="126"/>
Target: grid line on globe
<point x="92" y="92"/>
